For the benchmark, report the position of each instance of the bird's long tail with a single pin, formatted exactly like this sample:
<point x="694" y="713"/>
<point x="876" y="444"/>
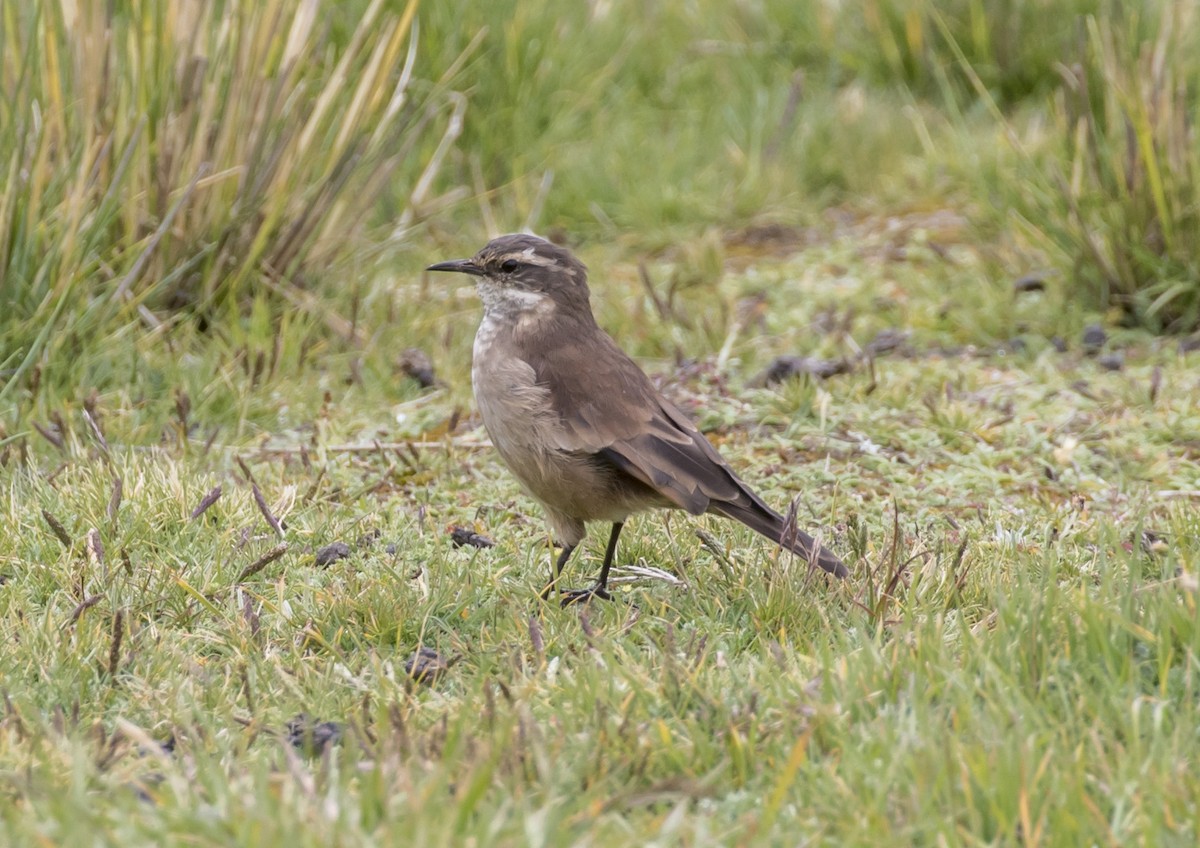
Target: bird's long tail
<point x="762" y="519"/>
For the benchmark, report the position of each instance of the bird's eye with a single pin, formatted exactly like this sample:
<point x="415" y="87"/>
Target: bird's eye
<point x="509" y="265"/>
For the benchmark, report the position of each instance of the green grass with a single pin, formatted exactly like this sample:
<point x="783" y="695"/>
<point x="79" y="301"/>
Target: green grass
<point x="1014" y="658"/>
<point x="164" y="163"/>
<point x="1006" y="663"/>
<point x="1115" y="198"/>
<point x="665" y="119"/>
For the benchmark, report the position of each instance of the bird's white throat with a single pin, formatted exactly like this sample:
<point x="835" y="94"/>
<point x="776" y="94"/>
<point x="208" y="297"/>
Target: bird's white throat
<point x="509" y="302"/>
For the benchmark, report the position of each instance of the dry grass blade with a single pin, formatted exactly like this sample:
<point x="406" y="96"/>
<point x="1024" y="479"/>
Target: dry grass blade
<point x="416" y="201"/>
<point x="269" y="516"/>
<point x="118" y="635"/>
<point x="535" y="637"/>
<point x="960" y="577"/>
<point x="208" y="500"/>
<point x="713" y="546"/>
<point x="251" y="617"/>
<point x="114" y="500"/>
<point x="94" y="427"/>
<point x="262" y="562"/>
<point x="660" y="307"/>
<point x="259" y="500"/>
<point x="49" y="435"/>
<point x="241" y="463"/>
<point x="83" y="606"/>
<point x="636" y="573"/>
<point x="57" y="528"/>
<point x="95" y="549"/>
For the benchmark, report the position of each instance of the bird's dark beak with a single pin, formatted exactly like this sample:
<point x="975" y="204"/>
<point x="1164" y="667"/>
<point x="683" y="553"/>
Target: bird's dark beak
<point x="459" y="266"/>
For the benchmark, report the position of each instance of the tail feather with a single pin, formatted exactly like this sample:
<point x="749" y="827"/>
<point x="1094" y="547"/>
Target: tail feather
<point x="767" y="522"/>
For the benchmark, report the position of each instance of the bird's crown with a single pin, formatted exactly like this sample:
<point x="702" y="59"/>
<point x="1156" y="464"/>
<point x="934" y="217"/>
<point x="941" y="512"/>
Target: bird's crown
<point x="512" y="254"/>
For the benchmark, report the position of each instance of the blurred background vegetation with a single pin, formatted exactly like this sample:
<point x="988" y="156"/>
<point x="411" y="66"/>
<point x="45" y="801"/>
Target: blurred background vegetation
<point x="201" y="170"/>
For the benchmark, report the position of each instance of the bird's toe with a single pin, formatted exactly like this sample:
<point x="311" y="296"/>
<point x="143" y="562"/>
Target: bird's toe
<point x="582" y="596"/>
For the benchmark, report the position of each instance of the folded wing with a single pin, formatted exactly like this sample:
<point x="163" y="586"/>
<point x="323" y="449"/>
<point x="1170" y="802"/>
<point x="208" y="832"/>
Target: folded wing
<point x="610" y="410"/>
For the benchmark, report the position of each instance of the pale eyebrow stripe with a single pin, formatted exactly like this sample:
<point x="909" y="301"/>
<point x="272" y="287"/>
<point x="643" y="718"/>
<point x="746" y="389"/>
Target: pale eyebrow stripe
<point x="529" y="257"/>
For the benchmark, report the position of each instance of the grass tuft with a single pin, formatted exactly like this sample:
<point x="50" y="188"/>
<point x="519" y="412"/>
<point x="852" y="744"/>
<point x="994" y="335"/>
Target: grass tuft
<point x="168" y="159"/>
<point x="1008" y="45"/>
<point x="1118" y="198"/>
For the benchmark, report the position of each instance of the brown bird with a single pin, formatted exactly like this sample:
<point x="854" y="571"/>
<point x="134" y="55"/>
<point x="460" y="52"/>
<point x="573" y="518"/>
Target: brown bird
<point x="579" y="423"/>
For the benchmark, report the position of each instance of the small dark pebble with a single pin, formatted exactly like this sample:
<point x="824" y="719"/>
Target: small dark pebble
<point x="331" y="553"/>
<point x="425" y="665"/>
<point x="1114" y="361"/>
<point x="416" y="364"/>
<point x="1094" y="338"/>
<point x="460" y="536"/>
<point x="1030" y="283"/>
<point x="1189" y="344"/>
<point x="1059" y="344"/>
<point x="311" y="736"/>
<point x="785" y="367"/>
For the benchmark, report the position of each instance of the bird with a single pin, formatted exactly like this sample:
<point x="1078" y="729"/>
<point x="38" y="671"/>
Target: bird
<point x="578" y="422"/>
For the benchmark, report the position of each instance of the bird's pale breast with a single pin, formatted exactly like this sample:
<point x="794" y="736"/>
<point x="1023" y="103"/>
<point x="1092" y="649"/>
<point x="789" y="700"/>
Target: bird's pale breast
<point x="525" y="430"/>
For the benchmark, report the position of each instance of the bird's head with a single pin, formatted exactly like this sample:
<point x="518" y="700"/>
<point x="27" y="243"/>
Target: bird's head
<point x="516" y="274"/>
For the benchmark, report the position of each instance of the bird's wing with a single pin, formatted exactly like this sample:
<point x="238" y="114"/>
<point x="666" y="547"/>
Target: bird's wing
<point x="609" y="408"/>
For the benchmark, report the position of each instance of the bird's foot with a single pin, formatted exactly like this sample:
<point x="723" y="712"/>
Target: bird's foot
<point x="582" y="596"/>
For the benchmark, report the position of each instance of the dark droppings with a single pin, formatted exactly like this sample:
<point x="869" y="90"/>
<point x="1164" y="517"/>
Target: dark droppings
<point x="311" y="736"/>
<point x="462" y="536"/>
<point x="426" y="665"/>
<point x="1094" y="338"/>
<point x="331" y="553"/>
<point x="1030" y="283"/>
<point x="416" y="364"/>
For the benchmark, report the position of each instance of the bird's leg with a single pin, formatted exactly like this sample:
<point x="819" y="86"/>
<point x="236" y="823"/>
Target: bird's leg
<point x="609" y="555"/>
<point x="600" y="589"/>
<point x="558" y="567"/>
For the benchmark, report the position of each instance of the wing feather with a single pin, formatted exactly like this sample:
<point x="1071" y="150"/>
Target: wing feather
<point x="608" y="407"/>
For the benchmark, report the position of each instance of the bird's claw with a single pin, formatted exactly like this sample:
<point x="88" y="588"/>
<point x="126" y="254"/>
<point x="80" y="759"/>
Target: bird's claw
<point x="582" y="596"/>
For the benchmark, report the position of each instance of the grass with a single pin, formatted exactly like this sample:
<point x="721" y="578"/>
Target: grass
<point x="683" y="120"/>
<point x="998" y="668"/>
<point x="191" y="658"/>
<point x="166" y="162"/>
<point x="1116" y="201"/>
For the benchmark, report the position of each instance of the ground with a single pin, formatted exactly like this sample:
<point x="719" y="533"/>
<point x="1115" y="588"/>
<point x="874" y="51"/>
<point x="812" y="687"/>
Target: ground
<point x="191" y="657"/>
